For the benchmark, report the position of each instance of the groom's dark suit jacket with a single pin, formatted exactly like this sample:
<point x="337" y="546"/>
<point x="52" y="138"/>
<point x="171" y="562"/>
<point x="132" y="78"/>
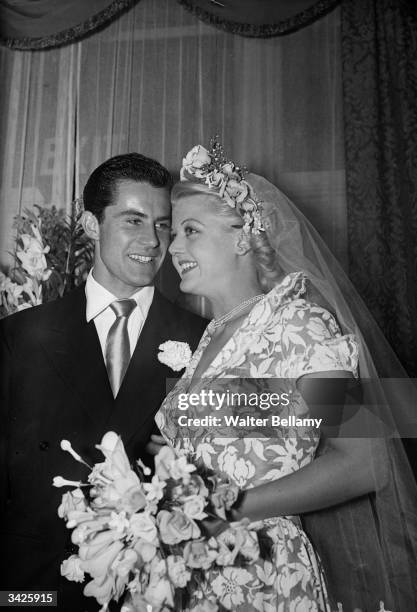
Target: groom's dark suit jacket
<point x="54" y="386"/>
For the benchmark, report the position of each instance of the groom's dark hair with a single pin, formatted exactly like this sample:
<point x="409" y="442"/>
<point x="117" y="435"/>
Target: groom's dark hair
<point x="100" y="190"/>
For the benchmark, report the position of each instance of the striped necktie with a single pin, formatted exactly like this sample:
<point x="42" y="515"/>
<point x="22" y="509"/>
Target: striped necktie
<point x="117" y="344"/>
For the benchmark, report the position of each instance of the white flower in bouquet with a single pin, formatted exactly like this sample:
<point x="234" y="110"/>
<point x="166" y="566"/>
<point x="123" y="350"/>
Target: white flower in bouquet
<point x="145" y="550"/>
<point x="224" y="495"/>
<point x="72" y="501"/>
<point x="163" y="461"/>
<point x="118" y="522"/>
<point x="134" y="601"/>
<point x="159" y="589"/>
<point x="205" y="605"/>
<point x="154" y="489"/>
<point x="176" y="355"/>
<point x="199" y="554"/>
<point x="181" y="469"/>
<point x="193" y="507"/>
<point x="177" y="572"/>
<point x="99" y="563"/>
<point x="115" y="483"/>
<point x="239" y="538"/>
<point x="196" y="486"/>
<point x="86" y="526"/>
<point x="175" y="526"/>
<point x="71" y="569"/>
<point x="109" y="564"/>
<point x="101" y="589"/>
<point x="125" y="563"/>
<point x="143" y="526"/>
<point x="168" y="464"/>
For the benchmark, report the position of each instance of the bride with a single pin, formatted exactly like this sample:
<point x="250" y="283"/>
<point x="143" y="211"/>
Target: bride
<point x="280" y="315"/>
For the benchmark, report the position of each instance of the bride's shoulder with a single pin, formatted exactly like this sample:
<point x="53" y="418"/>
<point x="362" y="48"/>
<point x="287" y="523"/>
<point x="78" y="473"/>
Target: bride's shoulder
<point x="288" y="304"/>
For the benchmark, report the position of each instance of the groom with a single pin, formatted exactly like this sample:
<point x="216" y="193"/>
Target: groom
<point x="83" y="365"/>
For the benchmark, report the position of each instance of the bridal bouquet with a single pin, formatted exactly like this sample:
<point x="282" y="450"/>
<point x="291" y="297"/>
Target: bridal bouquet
<point x="145" y="536"/>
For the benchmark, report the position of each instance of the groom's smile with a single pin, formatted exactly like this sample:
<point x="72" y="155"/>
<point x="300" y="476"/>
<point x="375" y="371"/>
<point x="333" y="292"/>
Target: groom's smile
<point x="141" y="258"/>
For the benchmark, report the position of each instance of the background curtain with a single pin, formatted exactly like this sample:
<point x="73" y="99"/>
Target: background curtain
<point x="379" y="42"/>
<point x="40" y="24"/>
<point x="262" y="18"/>
<point x="158" y="81"/>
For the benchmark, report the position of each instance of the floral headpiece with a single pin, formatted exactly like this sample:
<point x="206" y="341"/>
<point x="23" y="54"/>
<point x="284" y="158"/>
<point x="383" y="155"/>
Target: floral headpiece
<point x="223" y="176"/>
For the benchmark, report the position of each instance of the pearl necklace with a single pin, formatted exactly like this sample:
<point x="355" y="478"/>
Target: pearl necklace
<point x="215" y="323"/>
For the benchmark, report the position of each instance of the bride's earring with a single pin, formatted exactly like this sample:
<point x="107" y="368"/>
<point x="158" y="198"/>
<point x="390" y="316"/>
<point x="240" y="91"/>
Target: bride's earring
<point x="243" y="244"/>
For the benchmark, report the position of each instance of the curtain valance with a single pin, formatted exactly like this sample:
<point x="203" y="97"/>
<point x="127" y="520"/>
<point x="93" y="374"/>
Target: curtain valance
<point x="259" y="18"/>
<point x="42" y="24"/>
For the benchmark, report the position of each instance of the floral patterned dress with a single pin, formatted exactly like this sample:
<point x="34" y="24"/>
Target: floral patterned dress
<point x="283" y="336"/>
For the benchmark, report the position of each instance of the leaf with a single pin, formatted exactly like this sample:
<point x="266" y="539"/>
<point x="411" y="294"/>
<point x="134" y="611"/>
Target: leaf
<point x="266" y="573"/>
<point x="264" y="366"/>
<point x="277" y="448"/>
<point x="256" y="445"/>
<point x="257" y="602"/>
<point x="204" y="451"/>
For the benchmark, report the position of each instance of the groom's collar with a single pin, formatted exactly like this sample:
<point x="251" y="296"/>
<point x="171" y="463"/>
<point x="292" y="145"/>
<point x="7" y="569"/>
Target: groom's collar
<point x="99" y="298"/>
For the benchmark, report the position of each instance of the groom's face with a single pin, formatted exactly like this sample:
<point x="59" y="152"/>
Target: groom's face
<point x="133" y="237"/>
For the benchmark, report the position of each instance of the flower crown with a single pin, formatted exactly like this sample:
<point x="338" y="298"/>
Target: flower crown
<point x="224" y="177"/>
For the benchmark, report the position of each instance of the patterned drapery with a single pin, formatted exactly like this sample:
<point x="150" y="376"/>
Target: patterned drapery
<point x="379" y="49"/>
<point x="25" y="24"/>
<point x="29" y="25"/>
<point x="259" y="18"/>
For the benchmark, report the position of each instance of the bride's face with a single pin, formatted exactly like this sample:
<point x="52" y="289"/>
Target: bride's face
<point x="203" y="248"/>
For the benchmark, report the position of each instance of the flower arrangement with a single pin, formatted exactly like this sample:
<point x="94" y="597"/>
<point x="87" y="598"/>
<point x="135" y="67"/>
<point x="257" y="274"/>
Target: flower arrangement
<point x="52" y="256"/>
<point x="149" y="538"/>
<point x="227" y="179"/>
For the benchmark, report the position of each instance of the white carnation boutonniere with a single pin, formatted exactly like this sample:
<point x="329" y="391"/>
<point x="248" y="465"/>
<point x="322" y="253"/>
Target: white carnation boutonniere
<point x="176" y="355"/>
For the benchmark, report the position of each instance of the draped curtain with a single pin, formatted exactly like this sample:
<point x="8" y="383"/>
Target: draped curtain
<point x="379" y="42"/>
<point x="158" y="81"/>
<point x="41" y="24"/>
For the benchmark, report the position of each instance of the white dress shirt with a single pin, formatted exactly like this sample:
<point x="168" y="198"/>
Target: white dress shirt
<point x="98" y="308"/>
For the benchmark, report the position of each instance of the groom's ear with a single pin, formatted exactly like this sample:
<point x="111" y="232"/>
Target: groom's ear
<point x="243" y="243"/>
<point x="90" y="225"/>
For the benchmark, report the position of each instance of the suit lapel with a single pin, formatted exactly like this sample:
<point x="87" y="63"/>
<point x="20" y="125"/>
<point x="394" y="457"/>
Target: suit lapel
<point x="74" y="350"/>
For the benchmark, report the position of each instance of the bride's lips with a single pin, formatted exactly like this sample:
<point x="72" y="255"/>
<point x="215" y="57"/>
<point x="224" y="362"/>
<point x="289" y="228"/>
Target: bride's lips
<point x="186" y="266"/>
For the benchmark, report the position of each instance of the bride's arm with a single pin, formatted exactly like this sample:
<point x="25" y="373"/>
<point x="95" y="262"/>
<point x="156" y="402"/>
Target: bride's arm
<point x="346" y="468"/>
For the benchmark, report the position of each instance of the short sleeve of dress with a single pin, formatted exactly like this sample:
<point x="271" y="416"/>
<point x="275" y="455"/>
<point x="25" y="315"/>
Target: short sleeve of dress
<point x="312" y="341"/>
